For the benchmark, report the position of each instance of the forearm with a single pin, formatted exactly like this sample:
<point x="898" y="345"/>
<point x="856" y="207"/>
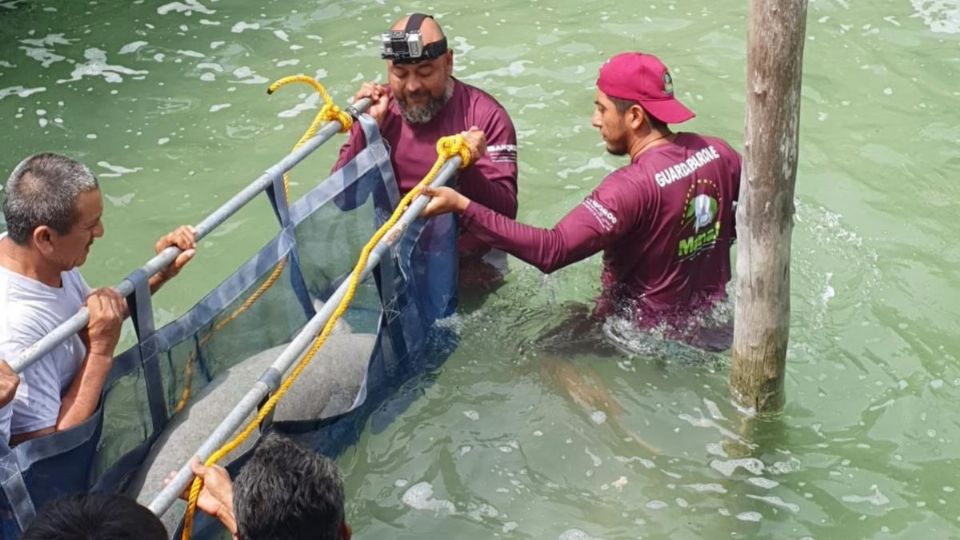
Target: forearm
<point x="83" y="396"/>
<point x="499" y="196"/>
<point x="547" y="249"/>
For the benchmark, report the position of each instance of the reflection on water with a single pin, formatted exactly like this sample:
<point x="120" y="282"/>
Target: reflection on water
<point x="622" y="434"/>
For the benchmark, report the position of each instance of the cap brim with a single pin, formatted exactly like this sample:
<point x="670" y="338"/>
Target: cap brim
<point x="668" y="111"/>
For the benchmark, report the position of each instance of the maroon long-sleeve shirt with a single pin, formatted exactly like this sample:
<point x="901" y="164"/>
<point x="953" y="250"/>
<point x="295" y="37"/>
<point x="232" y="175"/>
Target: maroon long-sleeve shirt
<point x="665" y="224"/>
<point x="491" y="181"/>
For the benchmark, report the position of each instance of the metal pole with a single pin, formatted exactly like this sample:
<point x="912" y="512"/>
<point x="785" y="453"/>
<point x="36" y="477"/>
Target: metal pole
<point x="76" y="323"/>
<point x="270" y="380"/>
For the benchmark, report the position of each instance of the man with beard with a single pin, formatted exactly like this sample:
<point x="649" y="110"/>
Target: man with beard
<point x="424" y="102"/>
<point x="665" y="222"/>
<point x="52" y="210"/>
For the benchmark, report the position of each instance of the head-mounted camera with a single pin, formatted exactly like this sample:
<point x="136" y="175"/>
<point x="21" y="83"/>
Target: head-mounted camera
<point x="406" y="46"/>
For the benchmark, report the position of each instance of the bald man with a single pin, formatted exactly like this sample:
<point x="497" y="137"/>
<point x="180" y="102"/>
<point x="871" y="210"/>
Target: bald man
<point x="424" y="102"/>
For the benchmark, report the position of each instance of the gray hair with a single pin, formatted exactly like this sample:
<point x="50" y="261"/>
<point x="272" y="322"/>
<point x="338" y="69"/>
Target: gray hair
<point x="286" y="492"/>
<point x="43" y="190"/>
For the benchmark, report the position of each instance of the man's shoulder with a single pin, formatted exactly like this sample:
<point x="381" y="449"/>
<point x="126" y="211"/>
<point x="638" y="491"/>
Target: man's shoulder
<point x="697" y="141"/>
<point x="481" y="99"/>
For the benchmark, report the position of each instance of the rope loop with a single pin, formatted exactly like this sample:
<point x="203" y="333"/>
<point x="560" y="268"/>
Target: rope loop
<point x="454" y="145"/>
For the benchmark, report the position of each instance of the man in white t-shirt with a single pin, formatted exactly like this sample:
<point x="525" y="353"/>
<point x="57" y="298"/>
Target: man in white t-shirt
<point x="52" y="209"/>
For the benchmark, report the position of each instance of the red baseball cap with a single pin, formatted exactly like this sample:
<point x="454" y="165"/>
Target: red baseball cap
<point x="635" y="76"/>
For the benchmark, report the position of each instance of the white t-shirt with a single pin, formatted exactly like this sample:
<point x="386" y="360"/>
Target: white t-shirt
<point x="30" y="310"/>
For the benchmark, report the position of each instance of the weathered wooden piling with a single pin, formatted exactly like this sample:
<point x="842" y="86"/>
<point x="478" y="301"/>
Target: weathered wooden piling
<point x="765" y="209"/>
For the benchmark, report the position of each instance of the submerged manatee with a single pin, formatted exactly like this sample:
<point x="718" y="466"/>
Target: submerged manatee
<point x="327" y="387"/>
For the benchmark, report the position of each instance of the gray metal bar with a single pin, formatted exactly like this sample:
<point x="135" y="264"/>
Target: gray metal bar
<point x="162" y="502"/>
<point x="76" y="323"/>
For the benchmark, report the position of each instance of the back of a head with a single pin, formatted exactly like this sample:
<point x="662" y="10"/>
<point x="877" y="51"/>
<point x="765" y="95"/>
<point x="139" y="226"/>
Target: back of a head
<point x="286" y="492"/>
<point x="96" y="516"/>
<point x="43" y="190"/>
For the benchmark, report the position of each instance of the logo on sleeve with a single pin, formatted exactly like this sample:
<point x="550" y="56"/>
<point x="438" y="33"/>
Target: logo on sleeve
<point x="701" y="220"/>
<point x="502" y="153"/>
<point x="600" y="212"/>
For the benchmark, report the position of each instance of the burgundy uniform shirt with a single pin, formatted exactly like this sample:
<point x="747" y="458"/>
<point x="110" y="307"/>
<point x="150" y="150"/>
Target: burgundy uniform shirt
<point x="665" y="224"/>
<point x="491" y="181"/>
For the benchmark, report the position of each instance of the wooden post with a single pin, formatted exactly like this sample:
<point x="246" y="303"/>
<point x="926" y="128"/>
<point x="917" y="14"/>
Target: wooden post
<point x="765" y="209"/>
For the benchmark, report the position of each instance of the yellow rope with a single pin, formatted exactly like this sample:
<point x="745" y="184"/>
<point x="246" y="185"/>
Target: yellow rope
<point x="447" y="147"/>
<point x="329" y="112"/>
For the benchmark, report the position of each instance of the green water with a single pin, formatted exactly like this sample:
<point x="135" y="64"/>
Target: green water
<point x="166" y="103"/>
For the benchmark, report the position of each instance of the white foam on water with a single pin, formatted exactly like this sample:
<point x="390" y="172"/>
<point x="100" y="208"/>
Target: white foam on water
<point x="401" y="482"/>
<point x="116" y="170"/>
<point x="281" y="35"/>
<point x="707" y="488"/>
<point x="510" y="526"/>
<point x="20" y="91"/>
<point x="876" y="499"/>
<point x="598" y="417"/>
<point x="291" y="62"/>
<point x="97" y="66"/>
<point x="306" y="105"/>
<point x="727" y="468"/>
<point x="941" y="16"/>
<point x="648" y="464"/>
<point x="163" y="140"/>
<point x="575" y="534"/>
<point x="594" y="163"/>
<point x="461" y="46"/>
<point x="762" y="482"/>
<point x="420" y="497"/>
<point x="245" y="75"/>
<point x="472" y="415"/>
<point x="620" y="483"/>
<point x="219" y="107"/>
<point x="208" y="22"/>
<point x="481" y="511"/>
<point x="515" y="69"/>
<point x="241" y="26"/>
<point x="41" y="49"/>
<point x="217" y="44"/>
<point x="593" y="457"/>
<point x="750" y="516"/>
<point x="656" y="505"/>
<point x="187" y="7"/>
<point x="192" y="54"/>
<point x="133" y="47"/>
<point x="122" y="200"/>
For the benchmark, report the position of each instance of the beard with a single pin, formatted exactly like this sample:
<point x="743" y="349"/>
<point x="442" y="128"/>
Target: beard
<point x="421" y="114"/>
<point x="616" y="149"/>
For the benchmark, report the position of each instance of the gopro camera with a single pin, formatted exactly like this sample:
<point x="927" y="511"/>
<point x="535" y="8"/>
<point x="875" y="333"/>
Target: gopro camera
<point x="406" y="46"/>
<point x="401" y="45"/>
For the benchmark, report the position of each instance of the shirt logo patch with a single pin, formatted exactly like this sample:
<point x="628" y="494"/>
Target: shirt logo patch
<point x="503" y="153"/>
<point x="700" y="224"/>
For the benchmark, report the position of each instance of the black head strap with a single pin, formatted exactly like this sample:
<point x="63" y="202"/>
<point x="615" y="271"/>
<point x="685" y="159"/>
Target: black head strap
<point x="415" y="21"/>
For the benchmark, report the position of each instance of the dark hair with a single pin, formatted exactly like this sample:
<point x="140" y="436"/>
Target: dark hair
<point x="623" y="105"/>
<point x="286" y="492"/>
<point x="97" y="516"/>
<point x="43" y="190"/>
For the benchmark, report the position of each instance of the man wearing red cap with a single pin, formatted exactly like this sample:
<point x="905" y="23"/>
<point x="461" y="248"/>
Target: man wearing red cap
<point x="665" y="222"/>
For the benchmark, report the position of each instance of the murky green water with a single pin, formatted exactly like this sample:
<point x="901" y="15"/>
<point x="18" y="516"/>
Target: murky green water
<point x="166" y="102"/>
